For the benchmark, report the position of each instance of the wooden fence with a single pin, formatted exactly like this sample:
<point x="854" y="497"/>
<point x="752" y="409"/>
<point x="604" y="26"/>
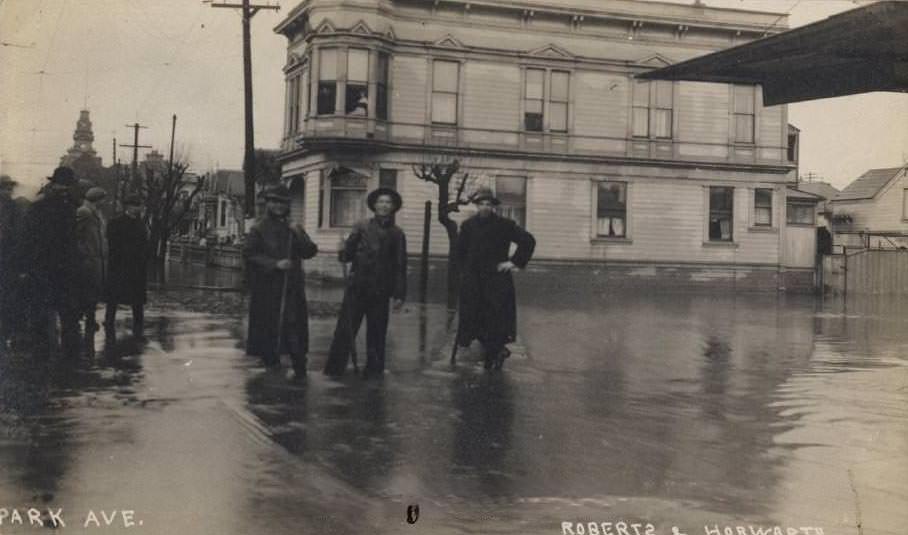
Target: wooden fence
<point x="867" y="271"/>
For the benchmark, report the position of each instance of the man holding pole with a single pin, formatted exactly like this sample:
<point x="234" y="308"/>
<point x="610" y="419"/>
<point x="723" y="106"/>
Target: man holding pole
<point x="278" y="315"/>
<point x="378" y="250"/>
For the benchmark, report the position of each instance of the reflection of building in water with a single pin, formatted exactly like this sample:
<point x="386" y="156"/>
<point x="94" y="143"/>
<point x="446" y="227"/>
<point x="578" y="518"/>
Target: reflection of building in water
<point x="541" y="97"/>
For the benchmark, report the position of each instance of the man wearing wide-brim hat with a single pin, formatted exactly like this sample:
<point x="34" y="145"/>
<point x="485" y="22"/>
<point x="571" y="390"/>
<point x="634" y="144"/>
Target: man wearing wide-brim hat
<point x="278" y="312"/>
<point x="91" y="235"/>
<point x="488" y="309"/>
<point x="377" y="249"/>
<point x="49" y="262"/>
<point x="127" y="246"/>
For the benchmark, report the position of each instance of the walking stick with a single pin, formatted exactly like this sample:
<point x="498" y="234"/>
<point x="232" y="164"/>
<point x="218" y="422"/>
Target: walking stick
<point x="348" y="312"/>
<point x="280" y="319"/>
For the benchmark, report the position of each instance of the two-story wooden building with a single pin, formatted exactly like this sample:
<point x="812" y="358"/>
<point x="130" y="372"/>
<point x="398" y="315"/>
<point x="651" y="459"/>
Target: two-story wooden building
<point x="672" y="180"/>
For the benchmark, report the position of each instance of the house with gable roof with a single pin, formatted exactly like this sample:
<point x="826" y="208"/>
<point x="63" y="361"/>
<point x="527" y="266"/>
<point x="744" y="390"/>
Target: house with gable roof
<point x="876" y="202"/>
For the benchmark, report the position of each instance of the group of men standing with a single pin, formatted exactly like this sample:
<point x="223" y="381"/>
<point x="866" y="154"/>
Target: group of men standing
<point x="60" y="258"/>
<point x="376" y="248"/>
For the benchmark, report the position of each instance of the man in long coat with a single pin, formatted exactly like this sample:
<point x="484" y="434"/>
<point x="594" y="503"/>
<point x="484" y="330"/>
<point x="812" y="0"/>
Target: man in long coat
<point x="274" y="252"/>
<point x="10" y="233"/>
<point x="48" y="261"/>
<point x="127" y="239"/>
<point x="91" y="233"/>
<point x="378" y="250"/>
<point x="488" y="310"/>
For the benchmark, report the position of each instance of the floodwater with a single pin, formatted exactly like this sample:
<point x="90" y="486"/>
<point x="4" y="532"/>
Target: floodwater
<point x="691" y="413"/>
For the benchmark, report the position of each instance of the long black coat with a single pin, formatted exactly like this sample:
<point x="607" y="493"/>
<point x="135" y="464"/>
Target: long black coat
<point x="488" y="309"/>
<point x="91" y="233"/>
<point x="266" y="243"/>
<point x="48" y="253"/>
<point x="10" y="232"/>
<point x="127" y="263"/>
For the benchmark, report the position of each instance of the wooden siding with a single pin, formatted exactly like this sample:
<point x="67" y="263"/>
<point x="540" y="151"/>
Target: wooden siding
<point x="703" y="117"/>
<point x="884" y="213"/>
<point x="800" y="247"/>
<point x="601" y="106"/>
<point x="409" y="78"/>
<point x="492" y="97"/>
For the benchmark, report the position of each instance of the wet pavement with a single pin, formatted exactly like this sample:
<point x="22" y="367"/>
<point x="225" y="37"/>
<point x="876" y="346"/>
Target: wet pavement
<point x="692" y="412"/>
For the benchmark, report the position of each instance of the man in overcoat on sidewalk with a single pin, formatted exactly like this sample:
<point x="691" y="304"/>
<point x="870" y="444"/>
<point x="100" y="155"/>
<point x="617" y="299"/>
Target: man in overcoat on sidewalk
<point x="91" y="235"/>
<point x="274" y="252"/>
<point x="48" y="262"/>
<point x="377" y="249"/>
<point x="488" y="309"/>
<point x="127" y="239"/>
<point x="10" y="234"/>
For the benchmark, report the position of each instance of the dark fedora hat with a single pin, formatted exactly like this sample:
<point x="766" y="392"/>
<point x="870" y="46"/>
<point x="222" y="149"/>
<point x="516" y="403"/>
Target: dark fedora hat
<point x="375" y="194"/>
<point x="6" y="182"/>
<point x="484" y="194"/>
<point x="278" y="192"/>
<point x="63" y="176"/>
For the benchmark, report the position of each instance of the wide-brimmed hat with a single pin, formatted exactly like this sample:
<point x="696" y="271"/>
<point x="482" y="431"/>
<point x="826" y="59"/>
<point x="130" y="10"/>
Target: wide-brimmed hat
<point x="6" y="182"/>
<point x="484" y="194"/>
<point x="95" y="194"/>
<point x="278" y="193"/>
<point x="133" y="199"/>
<point x="63" y="176"/>
<point x="375" y="194"/>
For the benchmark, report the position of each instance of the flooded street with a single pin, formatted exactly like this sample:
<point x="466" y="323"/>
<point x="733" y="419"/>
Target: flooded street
<point x="686" y="411"/>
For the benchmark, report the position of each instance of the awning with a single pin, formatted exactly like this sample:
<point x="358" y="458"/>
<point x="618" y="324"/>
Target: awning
<point x="859" y="51"/>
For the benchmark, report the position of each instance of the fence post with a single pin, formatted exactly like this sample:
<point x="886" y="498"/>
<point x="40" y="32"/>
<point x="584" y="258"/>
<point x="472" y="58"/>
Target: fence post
<point x="424" y="261"/>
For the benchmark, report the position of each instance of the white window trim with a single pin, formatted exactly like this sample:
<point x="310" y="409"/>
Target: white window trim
<point x="628" y="213"/>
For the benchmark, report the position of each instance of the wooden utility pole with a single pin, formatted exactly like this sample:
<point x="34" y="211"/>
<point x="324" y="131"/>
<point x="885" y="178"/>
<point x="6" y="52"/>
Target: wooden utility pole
<point x="248" y="11"/>
<point x="173" y="131"/>
<point x="135" y="154"/>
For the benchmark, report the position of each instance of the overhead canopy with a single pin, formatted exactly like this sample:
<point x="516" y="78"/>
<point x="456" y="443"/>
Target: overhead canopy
<point x="859" y="51"/>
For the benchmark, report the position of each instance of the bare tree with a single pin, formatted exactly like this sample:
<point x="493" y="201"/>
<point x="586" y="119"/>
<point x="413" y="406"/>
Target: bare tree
<point x="446" y="175"/>
<point x="168" y="200"/>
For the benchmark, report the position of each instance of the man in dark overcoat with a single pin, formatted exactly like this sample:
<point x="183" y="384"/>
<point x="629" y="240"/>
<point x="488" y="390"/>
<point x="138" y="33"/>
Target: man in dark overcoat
<point x="274" y="252"/>
<point x="488" y="310"/>
<point x="91" y="233"/>
<point x="48" y="261"/>
<point x="378" y="250"/>
<point x="10" y="233"/>
<point x="127" y="239"/>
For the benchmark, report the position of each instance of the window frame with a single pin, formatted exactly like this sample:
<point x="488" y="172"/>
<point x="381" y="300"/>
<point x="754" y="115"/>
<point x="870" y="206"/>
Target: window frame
<point x="357" y="84"/>
<point x="382" y="82"/>
<point x="757" y="207"/>
<point x="597" y="211"/>
<point x="720" y="212"/>
<point x="333" y="212"/>
<point x="566" y="102"/>
<point x="752" y="114"/>
<point x="521" y="209"/>
<point x="455" y="93"/>
<point x="327" y="82"/>
<point x="652" y="108"/>
<point x="540" y="100"/>
<point x="386" y="173"/>
<point x="794" y="204"/>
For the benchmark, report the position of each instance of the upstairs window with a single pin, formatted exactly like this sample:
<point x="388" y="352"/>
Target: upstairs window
<point x="381" y="86"/>
<point x="357" y="93"/>
<point x="763" y="207"/>
<point x="792" y="152"/>
<point x="327" y="81"/>
<point x="721" y="213"/>
<point x="445" y="83"/>
<point x="293" y="100"/>
<point x="744" y="97"/>
<point x="653" y="109"/>
<point x="558" y="102"/>
<point x="533" y="97"/>
<point x="611" y="210"/>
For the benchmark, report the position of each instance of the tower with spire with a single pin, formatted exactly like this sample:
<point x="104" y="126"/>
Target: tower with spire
<point x="82" y="149"/>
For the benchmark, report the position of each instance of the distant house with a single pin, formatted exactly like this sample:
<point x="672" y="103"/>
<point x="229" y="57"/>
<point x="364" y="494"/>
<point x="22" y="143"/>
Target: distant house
<point x="221" y="215"/>
<point x="877" y="202"/>
<point x="825" y="190"/>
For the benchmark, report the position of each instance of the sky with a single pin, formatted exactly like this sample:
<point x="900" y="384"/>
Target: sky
<point x="144" y="60"/>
